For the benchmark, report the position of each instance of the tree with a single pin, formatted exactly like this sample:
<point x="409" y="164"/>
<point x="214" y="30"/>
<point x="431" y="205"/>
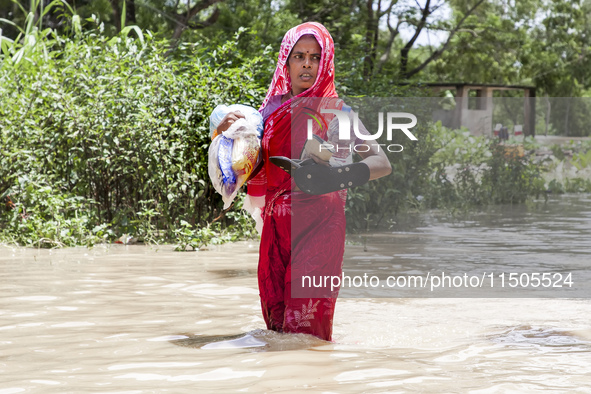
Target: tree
<point x="185" y="15"/>
<point x="494" y="46"/>
<point x="560" y="69"/>
<point x="420" y="25"/>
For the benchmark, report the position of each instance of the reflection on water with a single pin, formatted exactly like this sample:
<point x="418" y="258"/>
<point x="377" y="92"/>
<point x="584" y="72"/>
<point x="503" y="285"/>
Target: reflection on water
<point x="110" y="319"/>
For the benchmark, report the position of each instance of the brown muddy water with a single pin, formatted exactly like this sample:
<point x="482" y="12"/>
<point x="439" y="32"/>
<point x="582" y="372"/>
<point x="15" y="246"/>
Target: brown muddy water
<point x="140" y="319"/>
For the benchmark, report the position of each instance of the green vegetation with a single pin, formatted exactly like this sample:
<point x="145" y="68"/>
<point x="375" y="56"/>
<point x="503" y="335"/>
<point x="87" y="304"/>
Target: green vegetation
<point x="108" y="136"/>
<point x="104" y="125"/>
<point x="568" y="169"/>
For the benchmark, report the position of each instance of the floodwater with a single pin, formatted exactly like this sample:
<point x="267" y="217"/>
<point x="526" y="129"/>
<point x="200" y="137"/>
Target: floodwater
<point x="138" y="319"/>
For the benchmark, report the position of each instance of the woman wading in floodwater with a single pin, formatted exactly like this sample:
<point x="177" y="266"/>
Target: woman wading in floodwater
<point x="303" y="232"/>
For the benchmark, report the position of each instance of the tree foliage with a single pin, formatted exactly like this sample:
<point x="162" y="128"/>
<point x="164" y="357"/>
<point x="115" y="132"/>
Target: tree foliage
<point x="117" y="125"/>
<point x="539" y="42"/>
<point x="104" y="123"/>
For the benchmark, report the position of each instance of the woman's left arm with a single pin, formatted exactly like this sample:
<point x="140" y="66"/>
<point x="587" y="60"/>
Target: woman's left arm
<point x="376" y="160"/>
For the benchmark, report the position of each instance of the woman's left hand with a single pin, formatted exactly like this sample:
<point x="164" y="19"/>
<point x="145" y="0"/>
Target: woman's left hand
<point x="376" y="160"/>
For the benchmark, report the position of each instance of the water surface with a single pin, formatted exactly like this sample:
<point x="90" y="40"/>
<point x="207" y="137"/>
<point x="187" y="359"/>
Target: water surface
<point x="139" y="319"/>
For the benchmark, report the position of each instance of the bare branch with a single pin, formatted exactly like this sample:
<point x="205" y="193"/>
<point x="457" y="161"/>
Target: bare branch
<point x="393" y="33"/>
<point x="471" y="31"/>
<point x="425" y="12"/>
<point x="183" y="20"/>
<point x="436" y="7"/>
<point x="387" y="10"/>
<point x="208" y="22"/>
<point x="424" y="15"/>
<point x="438" y="53"/>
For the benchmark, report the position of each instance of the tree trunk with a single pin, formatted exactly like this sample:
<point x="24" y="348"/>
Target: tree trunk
<point x="130" y="15"/>
<point x="367" y="61"/>
<point x="425" y="12"/>
<point x="183" y="21"/>
<point x="404" y="56"/>
<point x="566" y="117"/>
<point x="393" y="33"/>
<point x="116" y="14"/>
<point x="548" y="109"/>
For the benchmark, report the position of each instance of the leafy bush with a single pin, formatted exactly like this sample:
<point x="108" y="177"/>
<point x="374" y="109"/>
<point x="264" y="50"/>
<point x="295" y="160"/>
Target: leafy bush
<point x="45" y="217"/>
<point x="103" y="137"/>
<point x="118" y="124"/>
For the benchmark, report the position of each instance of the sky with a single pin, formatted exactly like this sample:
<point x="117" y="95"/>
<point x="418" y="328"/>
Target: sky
<point x="427" y="37"/>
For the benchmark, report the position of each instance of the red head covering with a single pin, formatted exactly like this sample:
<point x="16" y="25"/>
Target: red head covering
<point x="324" y="84"/>
<point x="277" y="138"/>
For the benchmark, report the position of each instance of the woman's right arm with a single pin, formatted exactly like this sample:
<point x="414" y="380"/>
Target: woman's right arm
<point x="228" y="120"/>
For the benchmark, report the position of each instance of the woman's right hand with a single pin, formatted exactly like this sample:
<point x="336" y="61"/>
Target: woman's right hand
<point x="229" y="120"/>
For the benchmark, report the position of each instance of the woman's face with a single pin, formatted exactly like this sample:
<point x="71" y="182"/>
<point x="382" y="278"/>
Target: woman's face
<point x="303" y="63"/>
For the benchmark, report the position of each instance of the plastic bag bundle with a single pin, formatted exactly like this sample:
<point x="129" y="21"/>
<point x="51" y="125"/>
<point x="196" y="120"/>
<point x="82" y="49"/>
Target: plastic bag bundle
<point x="222" y="110"/>
<point x="234" y="154"/>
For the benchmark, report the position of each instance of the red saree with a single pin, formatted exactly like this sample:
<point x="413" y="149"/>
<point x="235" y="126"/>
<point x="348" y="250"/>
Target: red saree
<point x="303" y="235"/>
